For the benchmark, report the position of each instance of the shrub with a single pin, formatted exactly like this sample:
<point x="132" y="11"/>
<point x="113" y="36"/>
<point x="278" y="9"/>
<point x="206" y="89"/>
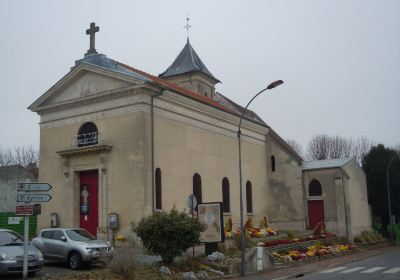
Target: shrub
<point x="359" y="239"/>
<point x="124" y="264"/>
<point x="168" y="234"/>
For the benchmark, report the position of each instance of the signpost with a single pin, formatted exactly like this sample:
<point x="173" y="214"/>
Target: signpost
<point x="34" y="187"/>
<point x="27" y="193"/>
<point x="25" y="197"/>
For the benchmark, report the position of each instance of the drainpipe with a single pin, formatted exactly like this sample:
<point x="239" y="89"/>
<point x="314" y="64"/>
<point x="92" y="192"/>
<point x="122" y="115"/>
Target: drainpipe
<point x="152" y="148"/>
<point x="345" y="206"/>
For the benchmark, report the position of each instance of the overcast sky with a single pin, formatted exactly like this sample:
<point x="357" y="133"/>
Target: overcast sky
<point x="340" y="60"/>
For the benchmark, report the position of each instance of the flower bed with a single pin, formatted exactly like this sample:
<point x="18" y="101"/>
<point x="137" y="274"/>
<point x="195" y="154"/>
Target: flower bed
<point x="254" y="232"/>
<point x="272" y="243"/>
<point x="308" y="250"/>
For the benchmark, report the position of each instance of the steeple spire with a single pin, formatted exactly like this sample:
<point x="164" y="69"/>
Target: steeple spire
<point x="187" y="62"/>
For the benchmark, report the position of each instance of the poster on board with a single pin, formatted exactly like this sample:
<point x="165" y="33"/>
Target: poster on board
<point x="211" y="215"/>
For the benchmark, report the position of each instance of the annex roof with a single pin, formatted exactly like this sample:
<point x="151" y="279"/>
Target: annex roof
<point x="325" y="163"/>
<point x="187" y="61"/>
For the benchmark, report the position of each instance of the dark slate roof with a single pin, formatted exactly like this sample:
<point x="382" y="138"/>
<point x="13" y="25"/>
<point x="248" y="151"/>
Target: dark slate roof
<point x="226" y="102"/>
<point x="110" y="64"/>
<point x="187" y="61"/>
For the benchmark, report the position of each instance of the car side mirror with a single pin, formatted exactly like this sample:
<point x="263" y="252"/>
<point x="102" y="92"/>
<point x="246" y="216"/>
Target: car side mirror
<point x="63" y="238"/>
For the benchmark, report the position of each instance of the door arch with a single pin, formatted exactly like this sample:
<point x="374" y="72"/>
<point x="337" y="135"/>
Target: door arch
<point x="315" y="204"/>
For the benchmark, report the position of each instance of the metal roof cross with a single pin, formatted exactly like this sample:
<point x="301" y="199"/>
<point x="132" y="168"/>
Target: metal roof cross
<point x="187" y="26"/>
<point x="91" y="31"/>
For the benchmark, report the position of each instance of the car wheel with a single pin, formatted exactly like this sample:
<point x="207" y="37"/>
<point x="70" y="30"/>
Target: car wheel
<point x="75" y="261"/>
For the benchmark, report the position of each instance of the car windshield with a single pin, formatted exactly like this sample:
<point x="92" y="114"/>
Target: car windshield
<point x="79" y="235"/>
<point x="8" y="238"/>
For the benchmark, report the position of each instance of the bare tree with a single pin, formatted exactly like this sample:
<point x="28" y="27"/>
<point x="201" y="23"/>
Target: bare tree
<point x="397" y="147"/>
<point x="6" y="157"/>
<point x="296" y="146"/>
<point x="361" y="148"/>
<point x="318" y="147"/>
<point x="20" y="155"/>
<point x="329" y="147"/>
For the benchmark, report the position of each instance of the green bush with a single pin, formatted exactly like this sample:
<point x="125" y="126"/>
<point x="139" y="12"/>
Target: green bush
<point x="168" y="234"/>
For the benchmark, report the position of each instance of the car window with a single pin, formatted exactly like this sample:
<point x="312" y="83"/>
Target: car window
<point x="58" y="234"/>
<point x="79" y="235"/>
<point x="48" y="234"/>
<point x="10" y="238"/>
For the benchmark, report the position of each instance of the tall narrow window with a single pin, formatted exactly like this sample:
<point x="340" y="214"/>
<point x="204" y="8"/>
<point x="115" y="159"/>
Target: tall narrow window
<point x="158" y="189"/>
<point x="87" y="135"/>
<point x="226" y="204"/>
<point x="249" y="198"/>
<point x="314" y="188"/>
<point x="273" y="163"/>
<point x="197" y="187"/>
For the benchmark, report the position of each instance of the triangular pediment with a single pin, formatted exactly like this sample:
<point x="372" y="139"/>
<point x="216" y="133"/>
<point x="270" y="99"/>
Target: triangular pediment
<point x="83" y="82"/>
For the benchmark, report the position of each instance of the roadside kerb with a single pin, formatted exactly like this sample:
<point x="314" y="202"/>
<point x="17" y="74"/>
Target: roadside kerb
<point x="294" y="270"/>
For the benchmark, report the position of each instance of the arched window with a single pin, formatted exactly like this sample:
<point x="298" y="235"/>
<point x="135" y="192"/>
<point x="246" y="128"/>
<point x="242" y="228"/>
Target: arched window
<point x="226" y="204"/>
<point x="158" y="189"/>
<point x="314" y="188"/>
<point x="197" y="188"/>
<point x="87" y="135"/>
<point x="249" y="198"/>
<point x="273" y="163"/>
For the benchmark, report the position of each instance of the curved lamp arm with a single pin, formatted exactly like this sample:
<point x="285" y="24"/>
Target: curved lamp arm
<point x="270" y="86"/>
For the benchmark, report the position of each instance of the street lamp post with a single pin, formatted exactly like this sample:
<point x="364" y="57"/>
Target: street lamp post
<point x="389" y="204"/>
<point x="242" y="233"/>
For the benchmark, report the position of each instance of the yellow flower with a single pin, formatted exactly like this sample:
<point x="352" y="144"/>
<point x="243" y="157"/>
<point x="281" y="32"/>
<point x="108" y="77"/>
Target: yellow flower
<point x="121" y="238"/>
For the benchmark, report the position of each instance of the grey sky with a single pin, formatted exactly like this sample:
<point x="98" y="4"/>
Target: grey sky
<point x="340" y="60"/>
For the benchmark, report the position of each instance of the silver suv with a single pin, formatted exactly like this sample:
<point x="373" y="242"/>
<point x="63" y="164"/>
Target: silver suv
<point x="75" y="245"/>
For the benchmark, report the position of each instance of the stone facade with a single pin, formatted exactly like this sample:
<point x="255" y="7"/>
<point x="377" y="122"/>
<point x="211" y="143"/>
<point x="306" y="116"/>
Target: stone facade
<point x="344" y="195"/>
<point x="180" y="127"/>
<point x="189" y="137"/>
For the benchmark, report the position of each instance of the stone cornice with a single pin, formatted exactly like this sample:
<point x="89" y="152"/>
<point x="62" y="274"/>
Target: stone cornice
<point x="84" y="150"/>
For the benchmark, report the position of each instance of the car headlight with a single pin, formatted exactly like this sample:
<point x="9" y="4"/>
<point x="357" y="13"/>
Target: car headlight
<point x="91" y="250"/>
<point x="39" y="254"/>
<point x="6" y="257"/>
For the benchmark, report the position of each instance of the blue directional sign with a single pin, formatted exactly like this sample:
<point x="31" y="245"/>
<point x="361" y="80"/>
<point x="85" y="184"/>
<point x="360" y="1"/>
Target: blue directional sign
<point x="26" y="197"/>
<point x="34" y="187"/>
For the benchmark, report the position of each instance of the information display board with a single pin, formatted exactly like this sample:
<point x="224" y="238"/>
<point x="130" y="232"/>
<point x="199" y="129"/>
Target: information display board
<point x="211" y="215"/>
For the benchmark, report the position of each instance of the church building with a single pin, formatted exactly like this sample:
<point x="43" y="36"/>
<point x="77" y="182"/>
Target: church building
<point x="115" y="139"/>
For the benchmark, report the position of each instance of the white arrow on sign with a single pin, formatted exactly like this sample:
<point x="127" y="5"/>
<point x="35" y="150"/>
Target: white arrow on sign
<point x="23" y="197"/>
<point x="34" y="187"/>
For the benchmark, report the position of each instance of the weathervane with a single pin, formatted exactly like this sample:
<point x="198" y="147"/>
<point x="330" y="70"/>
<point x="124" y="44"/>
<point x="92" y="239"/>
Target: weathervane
<point x="188" y="26"/>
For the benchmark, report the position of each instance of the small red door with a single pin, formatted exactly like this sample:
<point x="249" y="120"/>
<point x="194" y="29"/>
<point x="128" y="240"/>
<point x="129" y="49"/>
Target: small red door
<point x="89" y="201"/>
<point x="315" y="213"/>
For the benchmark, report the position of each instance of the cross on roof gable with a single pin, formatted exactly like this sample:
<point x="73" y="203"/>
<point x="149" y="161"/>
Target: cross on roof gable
<point x="187" y="61"/>
<point x="91" y="32"/>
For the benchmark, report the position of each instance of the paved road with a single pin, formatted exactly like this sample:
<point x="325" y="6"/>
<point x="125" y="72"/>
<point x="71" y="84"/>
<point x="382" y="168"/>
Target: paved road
<point x="50" y="269"/>
<point x="62" y="269"/>
<point x="386" y="266"/>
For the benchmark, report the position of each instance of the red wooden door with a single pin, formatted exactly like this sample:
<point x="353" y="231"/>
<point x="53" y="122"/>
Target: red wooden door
<point x="89" y="201"/>
<point x="315" y="213"/>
